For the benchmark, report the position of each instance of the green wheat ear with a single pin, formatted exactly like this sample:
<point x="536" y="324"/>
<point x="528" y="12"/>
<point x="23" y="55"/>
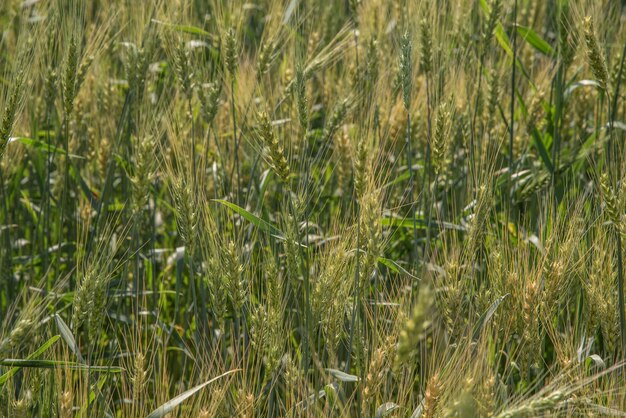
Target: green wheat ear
<point x="301" y="100"/>
<point x="10" y="111"/>
<point x="406" y="69"/>
<point x="230" y="52"/>
<point x="610" y="200"/>
<point x="440" y="139"/>
<point x="426" y="43"/>
<point x="273" y="150"/>
<point x="595" y="57"/>
<point x="492" y="22"/>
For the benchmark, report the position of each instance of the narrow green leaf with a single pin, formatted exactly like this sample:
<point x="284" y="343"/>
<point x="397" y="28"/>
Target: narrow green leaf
<point x="505" y="43"/>
<point x="617" y="124"/>
<point x="289" y="11"/>
<point x="184" y="28"/>
<point x="386" y="409"/>
<point x="395" y="267"/>
<point x="596" y="360"/>
<point x="543" y="152"/>
<point x="342" y="376"/>
<point x="534" y="40"/>
<point x="41" y="146"/>
<point x="169" y="406"/>
<point x="68" y="337"/>
<point x="398" y="179"/>
<point x="56" y="364"/>
<point x="36" y="353"/>
<point x="419" y="223"/>
<point x="582" y="83"/>
<point x="258" y="222"/>
<point x="87" y="192"/>
<point x="485" y="317"/>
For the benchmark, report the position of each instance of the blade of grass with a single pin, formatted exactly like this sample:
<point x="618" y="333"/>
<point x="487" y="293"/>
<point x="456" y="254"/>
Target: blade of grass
<point x="169" y="406"/>
<point x="36" y="353"/>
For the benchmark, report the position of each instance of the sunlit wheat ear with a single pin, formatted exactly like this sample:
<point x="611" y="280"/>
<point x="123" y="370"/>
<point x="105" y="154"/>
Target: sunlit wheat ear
<point x="82" y="72"/>
<point x="20" y="408"/>
<point x="143" y="174"/>
<point x="301" y="99"/>
<point x="236" y="283"/>
<point x="371" y="238"/>
<point x="69" y="76"/>
<point x="595" y="57"/>
<point x="406" y="69"/>
<point x="183" y="68"/>
<point x="66" y="404"/>
<point x="266" y="321"/>
<point x="476" y="232"/>
<point x="377" y="368"/>
<point x="372" y="65"/>
<point x="441" y="137"/>
<point x="187" y="214"/>
<point x="274" y="152"/>
<point x="426" y="45"/>
<point x="538" y="406"/>
<point x="22" y="328"/>
<point x="267" y="55"/>
<point x="89" y="300"/>
<point x="136" y="67"/>
<point x="611" y="201"/>
<point x="336" y="119"/>
<point x="431" y="398"/>
<point x="230" y="52"/>
<point x="50" y="88"/>
<point x="209" y="96"/>
<point x="492" y="22"/>
<point x="74" y="74"/>
<point x="492" y="103"/>
<point x="10" y="111"/>
<point x="360" y="167"/>
<point x="415" y="329"/>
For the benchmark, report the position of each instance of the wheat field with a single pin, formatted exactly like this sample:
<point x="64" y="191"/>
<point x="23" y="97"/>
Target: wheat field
<point x="324" y="208"/>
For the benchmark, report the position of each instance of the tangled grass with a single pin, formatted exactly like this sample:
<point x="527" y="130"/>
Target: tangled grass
<point x="312" y="208"/>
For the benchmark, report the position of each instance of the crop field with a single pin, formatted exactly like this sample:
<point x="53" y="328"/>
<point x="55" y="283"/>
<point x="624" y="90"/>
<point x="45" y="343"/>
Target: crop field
<point x="312" y="208"/>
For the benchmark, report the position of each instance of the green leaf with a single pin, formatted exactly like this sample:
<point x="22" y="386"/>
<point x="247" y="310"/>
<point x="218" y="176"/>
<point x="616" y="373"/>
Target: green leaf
<point x="596" y="360"/>
<point x="87" y="192"/>
<point x="398" y="179"/>
<point x="289" y="11"/>
<point x="485" y="317"/>
<point x="543" y="152"/>
<point x="395" y="267"/>
<point x="68" y="337"/>
<point x="342" y="376"/>
<point x="505" y="43"/>
<point x="258" y="222"/>
<point x="41" y="146"/>
<point x="419" y="223"/>
<point x="535" y="40"/>
<point x="582" y="83"/>
<point x="386" y="409"/>
<point x="36" y="353"/>
<point x="169" y="406"/>
<point x="56" y="364"/>
<point x="185" y="28"/>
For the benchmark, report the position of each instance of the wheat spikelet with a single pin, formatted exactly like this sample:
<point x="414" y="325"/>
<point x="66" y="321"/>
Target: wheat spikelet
<point x="273" y="150"/>
<point x="595" y="57"/>
<point x="426" y="41"/>
<point x="406" y="69"/>
<point x="230" y="52"/>
<point x="414" y="330"/>
<point x="440" y="138"/>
